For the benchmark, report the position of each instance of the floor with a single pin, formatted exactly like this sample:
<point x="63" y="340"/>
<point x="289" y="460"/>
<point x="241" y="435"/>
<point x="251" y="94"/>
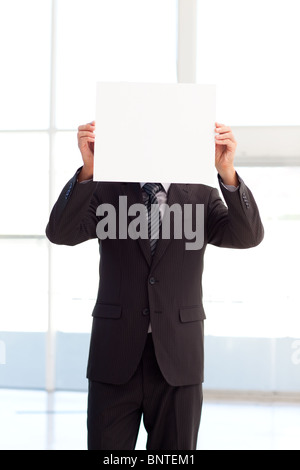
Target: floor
<point x="37" y="420"/>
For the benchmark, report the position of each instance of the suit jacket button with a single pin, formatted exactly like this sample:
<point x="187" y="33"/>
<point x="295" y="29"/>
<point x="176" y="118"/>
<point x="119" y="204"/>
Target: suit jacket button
<point x="152" y="281"/>
<point x="146" y="312"/>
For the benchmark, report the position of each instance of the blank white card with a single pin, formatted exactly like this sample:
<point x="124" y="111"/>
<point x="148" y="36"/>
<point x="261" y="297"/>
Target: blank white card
<point x="155" y="133"/>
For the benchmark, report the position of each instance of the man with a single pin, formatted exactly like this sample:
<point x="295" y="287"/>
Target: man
<point x="146" y="350"/>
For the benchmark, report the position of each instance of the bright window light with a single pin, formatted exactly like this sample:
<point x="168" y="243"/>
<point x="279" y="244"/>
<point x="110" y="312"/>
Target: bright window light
<point x="250" y="50"/>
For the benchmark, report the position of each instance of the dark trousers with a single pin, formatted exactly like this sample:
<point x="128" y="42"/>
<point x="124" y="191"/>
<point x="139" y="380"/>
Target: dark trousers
<point x="171" y="414"/>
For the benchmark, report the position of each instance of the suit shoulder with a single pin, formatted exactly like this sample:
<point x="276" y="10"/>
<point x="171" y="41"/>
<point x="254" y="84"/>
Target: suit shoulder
<point x="108" y="187"/>
<point x="194" y="186"/>
<point x="197" y="188"/>
<point x="196" y="193"/>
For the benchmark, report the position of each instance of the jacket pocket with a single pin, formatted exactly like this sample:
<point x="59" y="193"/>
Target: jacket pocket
<point x="107" y="311"/>
<point x="190" y="314"/>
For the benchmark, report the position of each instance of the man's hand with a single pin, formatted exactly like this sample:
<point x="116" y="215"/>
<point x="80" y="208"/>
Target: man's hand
<point x="86" y="141"/>
<point x="224" y="154"/>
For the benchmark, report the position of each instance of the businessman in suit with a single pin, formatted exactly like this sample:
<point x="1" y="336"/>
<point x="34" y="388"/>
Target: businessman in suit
<point x="146" y="348"/>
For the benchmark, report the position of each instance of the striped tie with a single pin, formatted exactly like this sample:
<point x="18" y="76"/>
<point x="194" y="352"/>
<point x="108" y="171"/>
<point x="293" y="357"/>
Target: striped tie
<point x="154" y="217"/>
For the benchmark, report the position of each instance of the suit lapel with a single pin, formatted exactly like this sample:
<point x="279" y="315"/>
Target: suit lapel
<point x="134" y="195"/>
<point x="178" y="194"/>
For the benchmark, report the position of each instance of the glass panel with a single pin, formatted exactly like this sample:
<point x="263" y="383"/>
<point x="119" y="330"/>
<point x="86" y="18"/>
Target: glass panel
<point x="259" y="295"/>
<point x="249" y="50"/>
<point x="132" y="40"/>
<point x="25" y="64"/>
<point x="24" y="190"/>
<point x="24" y="282"/>
<point x="75" y="277"/>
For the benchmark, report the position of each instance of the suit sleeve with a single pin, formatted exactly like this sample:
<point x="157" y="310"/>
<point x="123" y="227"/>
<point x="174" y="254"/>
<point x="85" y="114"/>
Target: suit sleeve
<point x="239" y="224"/>
<point x="73" y="217"/>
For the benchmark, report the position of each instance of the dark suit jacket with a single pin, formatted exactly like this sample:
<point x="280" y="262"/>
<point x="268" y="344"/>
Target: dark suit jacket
<point x="167" y="289"/>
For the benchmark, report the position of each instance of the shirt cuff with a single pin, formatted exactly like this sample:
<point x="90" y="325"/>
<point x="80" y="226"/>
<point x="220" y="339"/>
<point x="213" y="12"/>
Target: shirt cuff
<point x="84" y="181"/>
<point x="229" y="187"/>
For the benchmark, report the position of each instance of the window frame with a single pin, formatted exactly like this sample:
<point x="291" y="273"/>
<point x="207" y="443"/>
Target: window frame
<point x="272" y="151"/>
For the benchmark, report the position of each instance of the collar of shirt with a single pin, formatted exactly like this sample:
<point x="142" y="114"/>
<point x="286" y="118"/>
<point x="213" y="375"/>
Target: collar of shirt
<point x="165" y="186"/>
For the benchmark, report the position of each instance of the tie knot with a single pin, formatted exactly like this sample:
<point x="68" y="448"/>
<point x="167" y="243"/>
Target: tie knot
<point x="152" y="188"/>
